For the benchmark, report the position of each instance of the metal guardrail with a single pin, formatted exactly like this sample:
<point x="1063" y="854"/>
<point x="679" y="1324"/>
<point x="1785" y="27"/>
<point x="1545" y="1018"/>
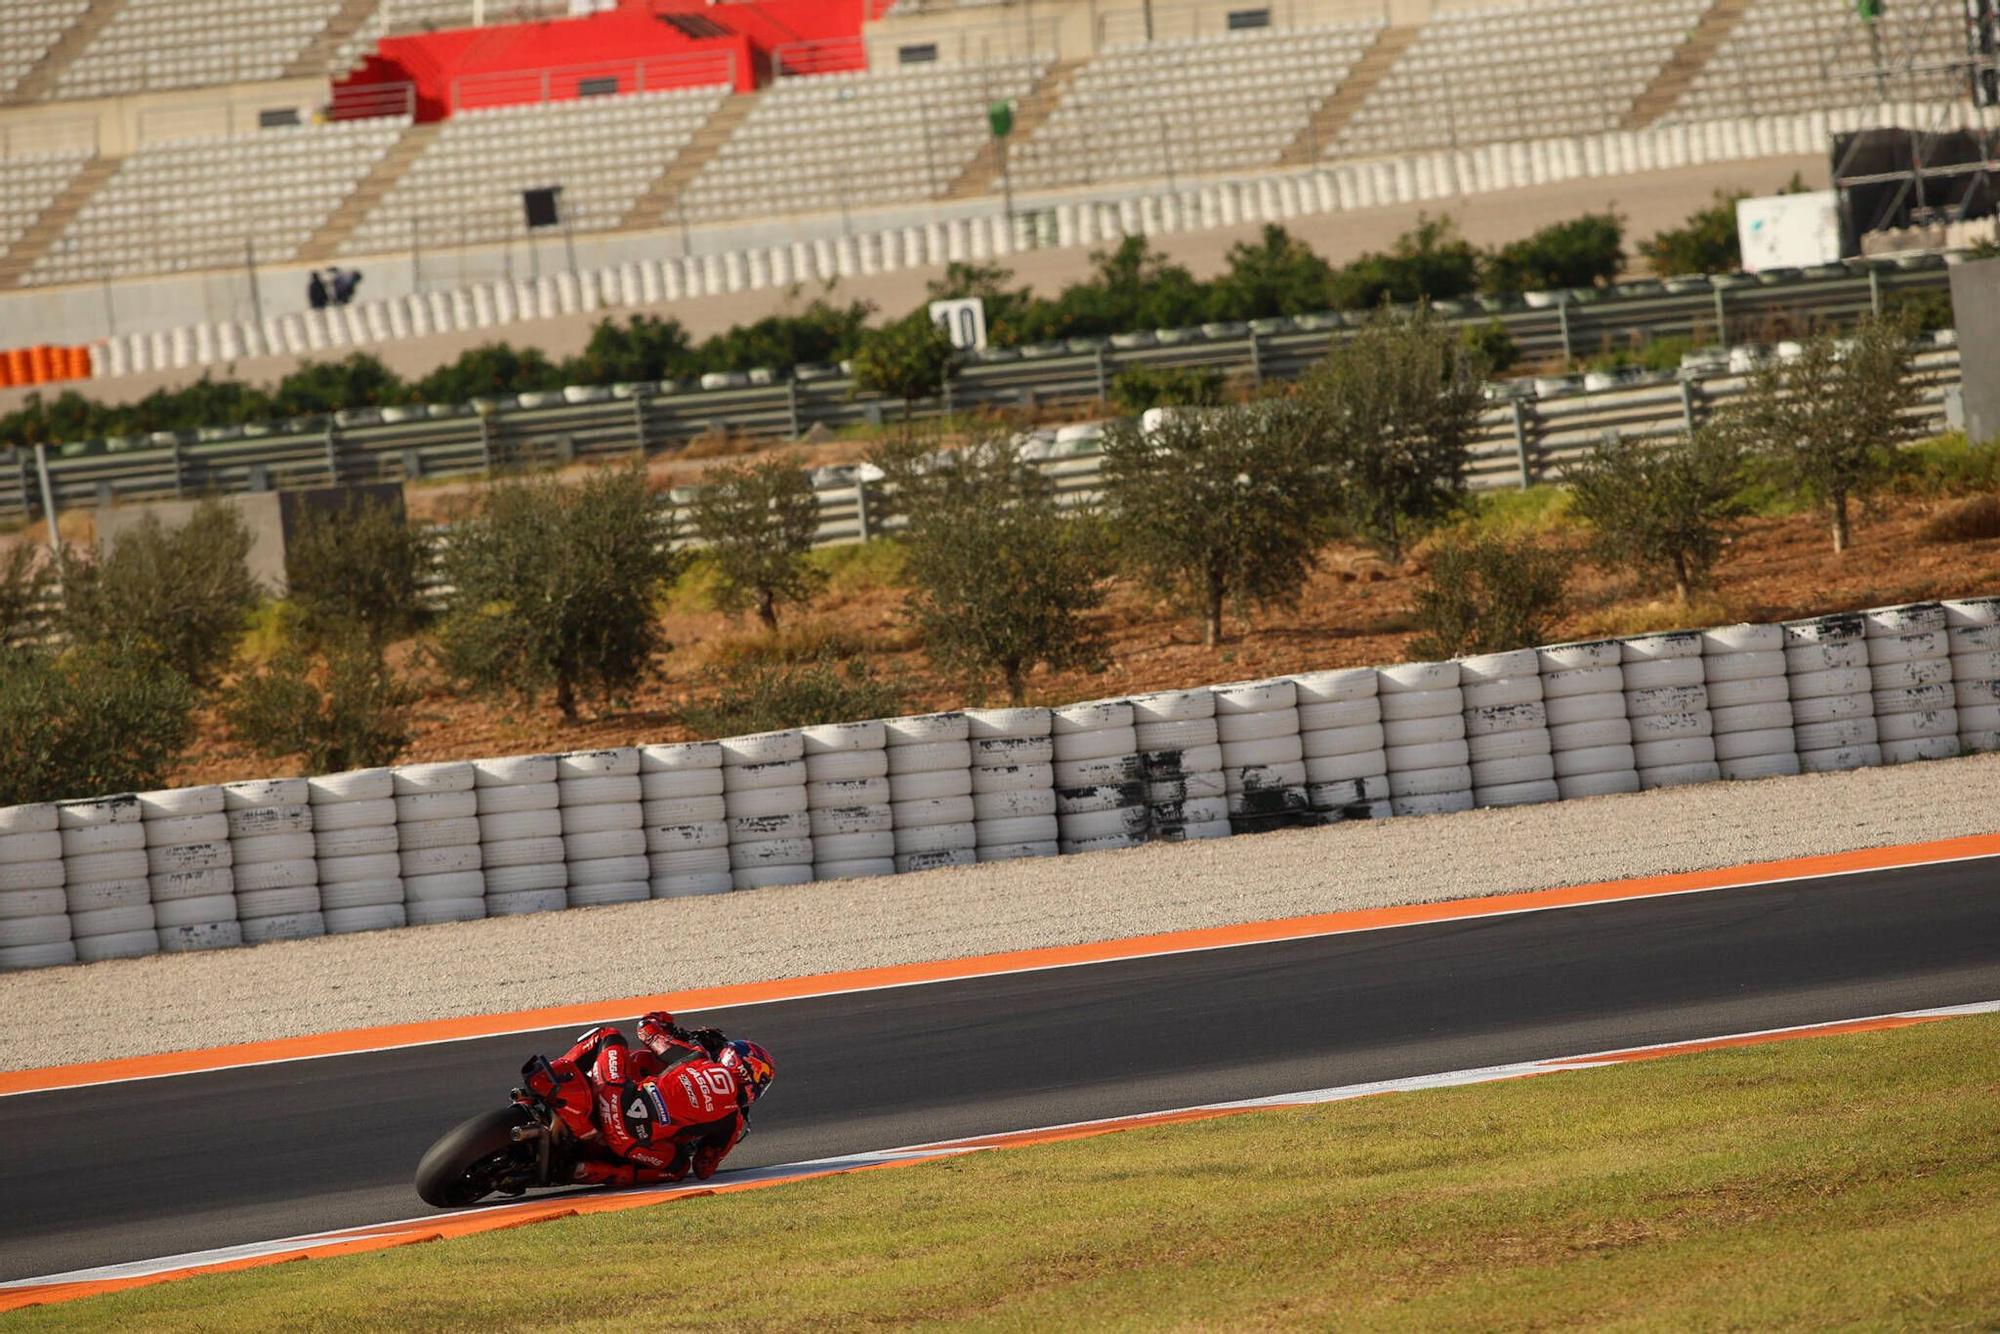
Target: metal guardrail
<point x="1524" y="437"/>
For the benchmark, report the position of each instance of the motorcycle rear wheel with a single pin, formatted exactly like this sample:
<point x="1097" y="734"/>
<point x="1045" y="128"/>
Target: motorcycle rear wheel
<point x="468" y="1163"/>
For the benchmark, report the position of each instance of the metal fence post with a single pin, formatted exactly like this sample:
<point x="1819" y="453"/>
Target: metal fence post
<point x="174" y="453"/>
<point x="48" y="496"/>
<point x="947" y="396"/>
<point x="1721" y="319"/>
<point x="792" y="406"/>
<point x="1521" y="441"/>
<point x="332" y="454"/>
<point x="1256" y="359"/>
<point x="1562" y="323"/>
<point x="1103" y="382"/>
<point x="639" y="422"/>
<point x="1687" y="405"/>
<point x="1875" y="292"/>
<point x="861" y="510"/>
<point x="485" y="443"/>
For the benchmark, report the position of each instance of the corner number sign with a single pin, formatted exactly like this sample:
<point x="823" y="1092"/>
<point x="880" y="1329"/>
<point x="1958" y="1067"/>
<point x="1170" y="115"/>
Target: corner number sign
<point x="963" y="320"/>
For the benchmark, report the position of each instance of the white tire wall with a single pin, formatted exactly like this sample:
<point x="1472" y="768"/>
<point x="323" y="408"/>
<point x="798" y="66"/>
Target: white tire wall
<point x="849" y="819"/>
<point x="517" y="803"/>
<point x="189" y="856"/>
<point x="1180" y="761"/>
<point x="1583" y="705"/>
<point x="929" y="758"/>
<point x="1263" y="758"/>
<point x="1506" y="729"/>
<point x="1972" y="632"/>
<point x="1826" y="664"/>
<point x="1752" y="730"/>
<point x="1341" y="737"/>
<point x="1911" y="669"/>
<point x="764" y="801"/>
<point x="1013" y="783"/>
<point x="1100" y="779"/>
<point x="1425" y="777"/>
<point x="349" y="900"/>
<point x="601" y="795"/>
<point x="106" y="909"/>
<point x="35" y="929"/>
<point x="1666" y="705"/>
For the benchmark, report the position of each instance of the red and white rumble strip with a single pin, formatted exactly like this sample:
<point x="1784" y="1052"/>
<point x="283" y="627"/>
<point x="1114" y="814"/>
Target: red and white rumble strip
<point x="436" y="1227"/>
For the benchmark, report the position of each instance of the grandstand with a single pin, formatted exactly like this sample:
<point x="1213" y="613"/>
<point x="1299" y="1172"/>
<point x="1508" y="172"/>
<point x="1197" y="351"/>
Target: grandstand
<point x="753" y="130"/>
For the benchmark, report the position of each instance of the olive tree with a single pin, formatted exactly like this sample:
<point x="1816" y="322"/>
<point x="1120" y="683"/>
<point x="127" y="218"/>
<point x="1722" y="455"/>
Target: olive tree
<point x="1395" y="409"/>
<point x="340" y="708"/>
<point x="177" y="595"/>
<point x="1219" y="508"/>
<point x="1004" y="580"/>
<point x="553" y="587"/>
<point x="1830" y="419"/>
<point x="1487" y="594"/>
<point x="758" y="522"/>
<point x="91" y="719"/>
<point x="1661" y="510"/>
<point x="909" y="359"/>
<point x="357" y="570"/>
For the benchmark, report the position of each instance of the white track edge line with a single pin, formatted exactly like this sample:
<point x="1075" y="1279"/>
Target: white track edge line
<point x="1602" y="1059"/>
<point x="1040" y="967"/>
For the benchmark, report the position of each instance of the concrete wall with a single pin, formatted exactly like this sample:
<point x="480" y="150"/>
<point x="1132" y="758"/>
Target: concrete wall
<point x="115" y="126"/>
<point x="1975" y="302"/>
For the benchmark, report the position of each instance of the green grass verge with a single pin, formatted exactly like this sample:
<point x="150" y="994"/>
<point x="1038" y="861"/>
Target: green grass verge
<point x="1851" y="1180"/>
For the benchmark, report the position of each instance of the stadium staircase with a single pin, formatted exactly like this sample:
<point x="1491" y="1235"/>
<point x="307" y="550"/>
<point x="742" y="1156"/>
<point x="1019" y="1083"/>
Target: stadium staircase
<point x="982" y="175"/>
<point x="55" y="220"/>
<point x="39" y="83"/>
<point x="1339" y="108"/>
<point x="317" y="60"/>
<point x="381" y="178"/>
<point x="1688" y="60"/>
<point x="651" y="208"/>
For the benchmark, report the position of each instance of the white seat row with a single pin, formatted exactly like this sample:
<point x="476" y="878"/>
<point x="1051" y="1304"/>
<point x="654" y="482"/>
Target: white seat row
<point x="1785" y="55"/>
<point x="187" y="43"/>
<point x="28" y="28"/>
<point x="28" y="185"/>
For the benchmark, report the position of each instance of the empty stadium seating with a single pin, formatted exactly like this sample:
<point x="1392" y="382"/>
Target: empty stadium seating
<point x="28" y="28"/>
<point x="811" y="144"/>
<point x="186" y="43"/>
<point x="604" y="152"/>
<point x="1787" y="54"/>
<point x="400" y="16"/>
<point x="193" y="205"/>
<point x="1201" y="104"/>
<point x="1518" y="72"/>
<point x="28" y="186"/>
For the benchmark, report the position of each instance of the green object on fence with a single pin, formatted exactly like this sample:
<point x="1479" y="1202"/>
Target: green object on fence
<point x="1868" y="9"/>
<point x="1000" y="116"/>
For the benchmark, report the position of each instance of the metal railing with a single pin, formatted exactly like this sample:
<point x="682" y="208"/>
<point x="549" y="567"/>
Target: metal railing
<point x="608" y="78"/>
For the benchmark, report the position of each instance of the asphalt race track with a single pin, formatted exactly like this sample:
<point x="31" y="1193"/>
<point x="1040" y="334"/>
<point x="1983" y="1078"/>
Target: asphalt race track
<point x="130" y="1171"/>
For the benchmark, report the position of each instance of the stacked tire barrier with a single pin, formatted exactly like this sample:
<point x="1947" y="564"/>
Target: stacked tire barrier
<point x="1972" y="627"/>
<point x="764" y="793"/>
<point x="685" y="819"/>
<point x="852" y="824"/>
<point x="1100" y="779"/>
<point x="355" y="842"/>
<point x="34" y="912"/>
<point x="276" y="867"/>
<point x="104" y="860"/>
<point x="1263" y="760"/>
<point x="1910" y="670"/>
<point x="1423" y="734"/>
<point x="1507" y="729"/>
<point x="604" y="839"/>
<point x="930" y="791"/>
<point x="518" y="802"/>
<point x="1832" y="693"/>
<point x="1749" y="701"/>
<point x="1583" y="698"/>
<point x="1180" y="755"/>
<point x="440" y="856"/>
<point x="1341" y="737"/>
<point x="188" y="870"/>
<point x="1013" y="784"/>
<point x="1666" y="704"/>
<point x="208" y="867"/>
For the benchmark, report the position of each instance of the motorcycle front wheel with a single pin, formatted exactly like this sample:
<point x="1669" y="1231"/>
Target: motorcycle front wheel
<point x="468" y="1163"/>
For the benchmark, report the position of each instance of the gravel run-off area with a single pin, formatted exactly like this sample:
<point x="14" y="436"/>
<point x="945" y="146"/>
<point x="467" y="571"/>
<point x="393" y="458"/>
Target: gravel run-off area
<point x="178" y="1002"/>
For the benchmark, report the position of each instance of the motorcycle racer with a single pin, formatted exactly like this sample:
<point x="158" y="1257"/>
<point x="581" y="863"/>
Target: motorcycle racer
<point x="676" y="1104"/>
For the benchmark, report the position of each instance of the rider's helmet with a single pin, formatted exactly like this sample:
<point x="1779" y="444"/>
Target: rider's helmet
<point x="752" y="1065"/>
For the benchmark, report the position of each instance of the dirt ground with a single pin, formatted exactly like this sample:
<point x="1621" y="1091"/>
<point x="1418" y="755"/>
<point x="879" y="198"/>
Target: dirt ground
<point x="1354" y="611"/>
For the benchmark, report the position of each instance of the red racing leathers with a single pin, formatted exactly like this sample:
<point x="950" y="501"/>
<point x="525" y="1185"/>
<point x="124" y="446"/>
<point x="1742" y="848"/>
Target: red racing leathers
<point x="649" y="1113"/>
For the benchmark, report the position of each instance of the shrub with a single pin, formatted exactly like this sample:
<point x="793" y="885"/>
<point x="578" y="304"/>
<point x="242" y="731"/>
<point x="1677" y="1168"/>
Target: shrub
<point x="1485" y="594"/>
<point x="909" y="359"/>
<point x="1923" y="309"/>
<point x="1705" y="243"/>
<point x="1430" y="263"/>
<point x="1003" y="579"/>
<point x="1492" y="345"/>
<point x="1584" y="252"/>
<point x="1137" y="388"/>
<point x="179" y="596"/>
<point x="769" y="697"/>
<point x="553" y="589"/>
<point x="1219" y="508"/>
<point x="359" y="380"/>
<point x="1662" y="511"/>
<point x="1395" y="409"/>
<point x="1829" y="420"/>
<point x="339" y="709"/>
<point x="1948" y="464"/>
<point x="1276" y="275"/>
<point x="90" y="721"/>
<point x="357" y="570"/>
<point x="759" y="520"/>
<point x="1973" y="520"/>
